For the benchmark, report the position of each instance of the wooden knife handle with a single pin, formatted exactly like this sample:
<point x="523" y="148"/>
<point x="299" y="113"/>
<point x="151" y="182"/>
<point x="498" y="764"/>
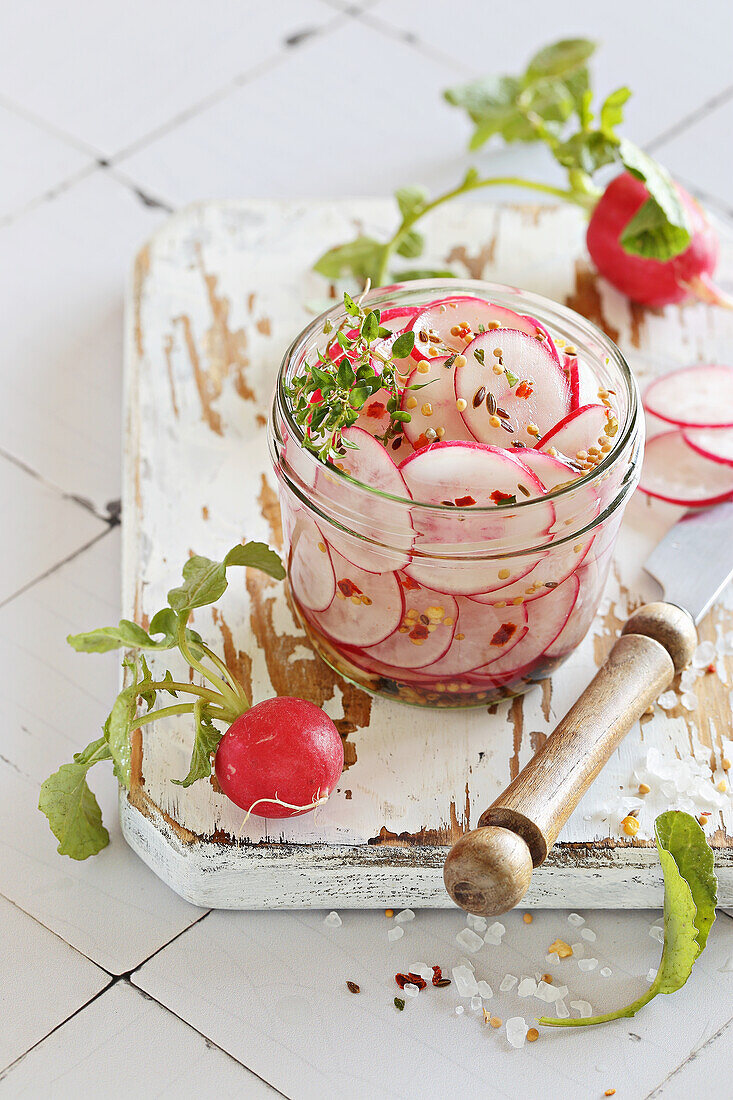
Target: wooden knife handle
<point x="489" y="870"/>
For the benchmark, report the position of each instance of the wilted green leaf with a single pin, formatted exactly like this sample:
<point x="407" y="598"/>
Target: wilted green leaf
<point x="72" y="810"/>
<point x="560" y="58"/>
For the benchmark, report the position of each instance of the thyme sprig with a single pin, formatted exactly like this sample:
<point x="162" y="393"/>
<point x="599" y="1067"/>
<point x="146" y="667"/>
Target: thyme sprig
<point x="329" y="393"/>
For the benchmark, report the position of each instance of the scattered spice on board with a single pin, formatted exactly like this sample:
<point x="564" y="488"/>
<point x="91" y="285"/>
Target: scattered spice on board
<point x="353" y="987"/>
<point x="399" y="1004"/>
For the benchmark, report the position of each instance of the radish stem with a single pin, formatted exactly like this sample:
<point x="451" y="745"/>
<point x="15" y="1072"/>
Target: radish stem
<point x="229" y="695"/>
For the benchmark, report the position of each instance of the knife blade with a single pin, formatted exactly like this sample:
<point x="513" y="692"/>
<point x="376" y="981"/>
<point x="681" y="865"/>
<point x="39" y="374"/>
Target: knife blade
<point x="694" y="561"/>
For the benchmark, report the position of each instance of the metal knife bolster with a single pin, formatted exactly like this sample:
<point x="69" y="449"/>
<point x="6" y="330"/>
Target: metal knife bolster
<point x="694" y="560"/>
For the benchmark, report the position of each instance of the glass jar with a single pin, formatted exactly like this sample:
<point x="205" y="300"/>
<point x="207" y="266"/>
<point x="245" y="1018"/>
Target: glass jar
<point x="445" y="605"/>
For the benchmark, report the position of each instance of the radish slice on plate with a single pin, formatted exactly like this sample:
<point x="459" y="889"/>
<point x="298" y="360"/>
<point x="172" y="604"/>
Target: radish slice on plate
<point x="581" y="429"/>
<point x="436" y="403"/>
<point x="672" y="471"/>
<point x="310" y="571"/>
<point x="366" y="607"/>
<point x="426" y="630"/>
<point x="713" y="443"/>
<point x="464" y="475"/>
<point x="368" y="462"/>
<point x="482" y="635"/>
<point x="479" y="315"/>
<point x="497" y="411"/>
<point x="544" y="623"/>
<point x="693" y="397"/>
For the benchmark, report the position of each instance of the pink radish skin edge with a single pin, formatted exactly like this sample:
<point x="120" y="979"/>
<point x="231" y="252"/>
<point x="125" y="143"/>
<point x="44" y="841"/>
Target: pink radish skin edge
<point x="678" y="421"/>
<point x="689" y="438"/>
<point x="669" y="498"/>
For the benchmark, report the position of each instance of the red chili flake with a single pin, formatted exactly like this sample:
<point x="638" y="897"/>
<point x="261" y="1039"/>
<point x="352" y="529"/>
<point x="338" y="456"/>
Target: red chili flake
<point x="503" y="634"/>
<point x="376" y="409"/>
<point x="348" y="588"/>
<point x="710" y="668"/>
<point x="417" y="980"/>
<point x="464" y="502"/>
<point x="497" y="496"/>
<point x="438" y="978"/>
<point x="419" y="630"/>
<point x="524" y="389"/>
<point x="421" y="441"/>
<point x="402" y="980"/>
<point x="408" y="583"/>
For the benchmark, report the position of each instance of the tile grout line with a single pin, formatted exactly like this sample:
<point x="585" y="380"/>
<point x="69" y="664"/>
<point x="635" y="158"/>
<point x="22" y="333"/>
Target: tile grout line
<point x="65" y="561"/>
<point x="718" y="100"/>
<point x="113" y="512"/>
<point x="657" y="1090"/>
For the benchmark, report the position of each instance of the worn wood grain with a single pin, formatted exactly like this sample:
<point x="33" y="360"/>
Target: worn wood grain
<point x="215" y="299"/>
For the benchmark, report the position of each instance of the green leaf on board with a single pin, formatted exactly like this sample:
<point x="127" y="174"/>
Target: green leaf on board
<point x="73" y="812"/>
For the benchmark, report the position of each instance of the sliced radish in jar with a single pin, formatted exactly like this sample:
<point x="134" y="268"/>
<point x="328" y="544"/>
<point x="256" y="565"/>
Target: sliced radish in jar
<point x="553" y="568"/>
<point x="693" y="397"/>
<point x="366" y="608"/>
<point x="578" y="507"/>
<point x="464" y="475"/>
<point x="523" y="400"/>
<point x="545" y="621"/>
<point x="672" y="471"/>
<point x="433" y="326"/>
<point x="426" y="630"/>
<point x="713" y="443"/>
<point x="310" y="571"/>
<point x="482" y="634"/>
<point x="584" y="428"/>
<point x="368" y="462"/>
<point x="434" y="405"/>
<point x="373" y="415"/>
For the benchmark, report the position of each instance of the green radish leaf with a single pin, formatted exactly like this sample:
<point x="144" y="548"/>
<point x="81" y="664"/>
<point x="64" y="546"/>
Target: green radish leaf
<point x="148" y="696"/>
<point x="411" y="274"/>
<point x="411" y="245"/>
<point x="411" y="200"/>
<point x="587" y="151"/>
<point x="205" y="581"/>
<point x="690" y="896"/>
<point x="117" y="728"/>
<point x="73" y="812"/>
<point x="256" y="555"/>
<point x="612" y="109"/>
<point x="660" y="229"/>
<point x="125" y="635"/>
<point x="560" y="58"/>
<point x="206" y="739"/>
<point x="359" y="258"/>
<point x="403" y="345"/>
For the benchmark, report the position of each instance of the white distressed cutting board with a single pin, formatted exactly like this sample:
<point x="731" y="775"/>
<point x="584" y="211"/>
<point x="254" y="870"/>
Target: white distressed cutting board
<point x="216" y="297"/>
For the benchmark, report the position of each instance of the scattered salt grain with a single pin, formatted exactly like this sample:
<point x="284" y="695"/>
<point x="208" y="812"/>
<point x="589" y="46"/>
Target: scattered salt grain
<point x="497" y="929"/>
<point x="333" y="920"/>
<point x="576" y="920"/>
<point x="545" y="992"/>
<point x="485" y="991"/>
<point x="478" y="924"/>
<point x="689" y="700"/>
<point x="582" y="1008"/>
<point x="404" y="916"/>
<point x="410" y="990"/>
<point x="667" y="700"/>
<point x="606" y="971"/>
<point x="578" y="950"/>
<point x="553" y="957"/>
<point x="587" y="964"/>
<point x="468" y="939"/>
<point x="561" y="1010"/>
<point x="476" y="1003"/>
<point x="562" y="992"/>
<point x="527" y="987"/>
<point x="423" y="970"/>
<point x="688" y="677"/>
<point x="657" y="933"/>
<point x="491" y="940"/>
<point x="507" y="982"/>
<point x="395" y="934"/>
<point x="466" y="984"/>
<point x="516" y="1031"/>
<point x="589" y="935"/>
<point x="703" y="655"/>
<point x="651" y="974"/>
<point x="459" y="1010"/>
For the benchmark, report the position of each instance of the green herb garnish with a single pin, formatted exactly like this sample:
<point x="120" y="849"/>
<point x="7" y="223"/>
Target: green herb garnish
<point x="72" y="810"/>
<point x="690" y="896"/>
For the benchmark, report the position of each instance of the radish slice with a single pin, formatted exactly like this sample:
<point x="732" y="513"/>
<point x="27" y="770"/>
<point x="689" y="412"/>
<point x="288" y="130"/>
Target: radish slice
<point x="468" y="474"/>
<point x="693" y="397"/>
<point x="373" y="415"/>
<point x="544" y="623"/>
<point x="541" y="331"/>
<point x="399" y="317"/>
<point x="366" y="608"/>
<point x="310" y="571"/>
<point x="582" y="505"/>
<point x="540" y="398"/>
<point x="438" y="399"/>
<point x="482" y="635"/>
<point x="369" y="463"/>
<point x="713" y="443"/>
<point x="440" y="317"/>
<point x="553" y="568"/>
<point x="426" y="630"/>
<point x="581" y="429"/>
<point x="672" y="471"/>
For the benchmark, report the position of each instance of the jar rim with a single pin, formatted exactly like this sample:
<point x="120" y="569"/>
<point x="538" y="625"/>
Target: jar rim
<point x="490" y="292"/>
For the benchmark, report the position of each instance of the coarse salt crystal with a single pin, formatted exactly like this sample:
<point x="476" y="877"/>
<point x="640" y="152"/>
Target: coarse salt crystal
<point x="395" y="934"/>
<point x="508" y="982"/>
<point x="651" y="974"/>
<point x="516" y="1031"/>
<point x="583" y="1008"/>
<point x="589" y="935"/>
<point x="562" y="992"/>
<point x="703" y="655"/>
<point x="576" y="920"/>
<point x="459" y="1010"/>
<point x="478" y="924"/>
<point x="404" y="916"/>
<point x="410" y="990"/>
<point x="561" y="1010"/>
<point x="657" y="933"/>
<point x="688" y="677"/>
<point x="527" y="987"/>
<point x="667" y="700"/>
<point x="587" y="964"/>
<point x="463" y="961"/>
<point x="475" y="1003"/>
<point x="545" y="992"/>
<point x="485" y="991"/>
<point x="333" y="920"/>
<point x="422" y="969"/>
<point x="466" y="984"/>
<point x="492" y="941"/>
<point x="578" y="950"/>
<point x="606" y="971"/>
<point x="497" y="929"/>
<point x="689" y="700"/>
<point x="468" y="939"/>
<point x="553" y="957"/>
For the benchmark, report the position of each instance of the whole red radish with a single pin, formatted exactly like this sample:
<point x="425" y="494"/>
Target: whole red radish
<point x="280" y="759"/>
<point x="651" y="282"/>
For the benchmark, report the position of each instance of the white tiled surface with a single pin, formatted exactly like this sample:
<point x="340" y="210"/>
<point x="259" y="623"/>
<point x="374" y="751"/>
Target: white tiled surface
<point x="186" y="103"/>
